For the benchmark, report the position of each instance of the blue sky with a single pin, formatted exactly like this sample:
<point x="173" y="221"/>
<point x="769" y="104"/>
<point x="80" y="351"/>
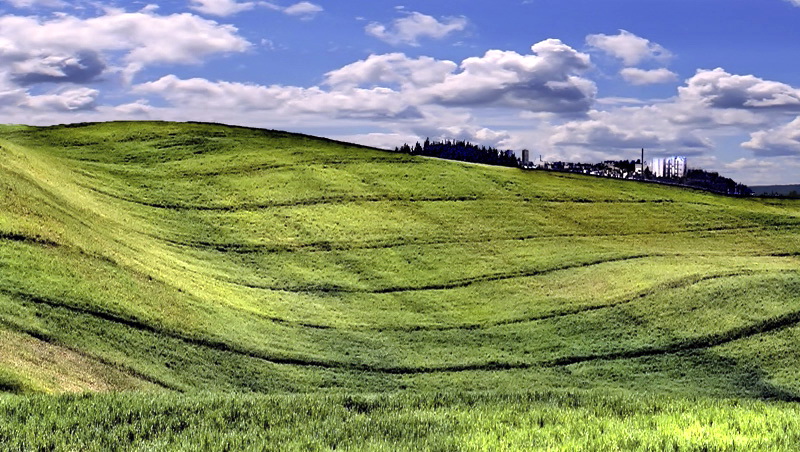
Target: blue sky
<point x="581" y="80"/>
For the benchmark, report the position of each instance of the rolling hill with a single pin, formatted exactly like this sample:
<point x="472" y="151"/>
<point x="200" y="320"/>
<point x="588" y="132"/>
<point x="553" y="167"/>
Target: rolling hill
<point x="180" y="266"/>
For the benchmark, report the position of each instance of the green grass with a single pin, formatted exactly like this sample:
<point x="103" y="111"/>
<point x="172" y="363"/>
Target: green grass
<point x="215" y="261"/>
<point x="442" y="421"/>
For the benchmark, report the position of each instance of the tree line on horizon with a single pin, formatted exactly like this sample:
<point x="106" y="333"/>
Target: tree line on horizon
<point x="465" y="151"/>
<point x="461" y="150"/>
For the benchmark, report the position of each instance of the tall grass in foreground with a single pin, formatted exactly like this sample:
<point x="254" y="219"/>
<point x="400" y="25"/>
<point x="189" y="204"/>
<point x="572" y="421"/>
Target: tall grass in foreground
<point x="469" y="421"/>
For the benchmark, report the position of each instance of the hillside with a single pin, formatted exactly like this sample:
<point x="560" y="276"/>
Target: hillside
<point x="195" y="257"/>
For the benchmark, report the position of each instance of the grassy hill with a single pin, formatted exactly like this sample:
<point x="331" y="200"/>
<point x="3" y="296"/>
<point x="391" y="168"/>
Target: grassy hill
<point x="214" y="261"/>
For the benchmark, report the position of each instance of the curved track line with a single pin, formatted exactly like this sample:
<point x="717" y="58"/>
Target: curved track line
<point x="456" y="284"/>
<point x="372" y="199"/>
<point x="295" y="203"/>
<point x="15" y="237"/>
<point x="328" y="246"/>
<point x="121" y="367"/>
<point x="686" y="345"/>
<point x="670" y="285"/>
<point x="191" y="340"/>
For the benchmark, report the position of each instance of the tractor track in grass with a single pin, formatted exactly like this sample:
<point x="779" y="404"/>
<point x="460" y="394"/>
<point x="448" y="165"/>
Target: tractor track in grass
<point x="329" y="246"/>
<point x="140" y="325"/>
<point x="687" y="345"/>
<point x="679" y="283"/>
<point x="30" y="240"/>
<point x="12" y="326"/>
<point x="333" y="200"/>
<point x="456" y="284"/>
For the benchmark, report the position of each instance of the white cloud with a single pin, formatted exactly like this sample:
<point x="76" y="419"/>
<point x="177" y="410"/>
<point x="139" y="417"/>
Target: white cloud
<point x="629" y="129"/>
<point x="392" y="68"/>
<point x="376" y="103"/>
<point x="405" y="90"/>
<point x="66" y="100"/>
<point x="628" y="47"/>
<point x="719" y="89"/>
<point x="303" y="9"/>
<point x="36" y="3"/>
<point x="794" y="2"/>
<point x="409" y="29"/>
<point x="763" y="171"/>
<point x="638" y="76"/>
<point x="545" y="81"/>
<point x="220" y="7"/>
<point x="65" y="44"/>
<point x="782" y="140"/>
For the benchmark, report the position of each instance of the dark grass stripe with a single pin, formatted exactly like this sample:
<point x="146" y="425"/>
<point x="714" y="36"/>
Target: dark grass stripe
<point x="38" y="335"/>
<point x="687" y="345"/>
<point x="16" y="237"/>
<point x="328" y="246"/>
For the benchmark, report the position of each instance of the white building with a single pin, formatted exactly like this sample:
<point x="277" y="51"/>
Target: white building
<point x="672" y="167"/>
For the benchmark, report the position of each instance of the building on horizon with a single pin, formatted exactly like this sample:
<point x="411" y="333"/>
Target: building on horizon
<point x="669" y="167"/>
<point x="526" y="156"/>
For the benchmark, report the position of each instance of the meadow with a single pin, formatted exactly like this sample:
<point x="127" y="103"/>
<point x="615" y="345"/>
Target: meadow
<point x="244" y="287"/>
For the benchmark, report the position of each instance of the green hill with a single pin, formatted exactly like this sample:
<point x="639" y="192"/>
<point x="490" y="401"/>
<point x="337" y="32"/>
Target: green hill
<point x="205" y="259"/>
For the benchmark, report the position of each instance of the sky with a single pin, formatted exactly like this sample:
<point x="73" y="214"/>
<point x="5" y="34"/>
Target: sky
<point x="717" y="81"/>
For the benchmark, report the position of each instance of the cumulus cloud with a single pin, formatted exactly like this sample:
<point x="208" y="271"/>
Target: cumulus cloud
<point x="544" y="81"/>
<point x="720" y="89"/>
<point x="220" y="7"/>
<point x="637" y="76"/>
<point x="376" y="103"/>
<point x="395" y="86"/>
<point x="392" y="68"/>
<point x="83" y="67"/>
<point x="65" y="101"/>
<point x="303" y="9"/>
<point x="69" y="48"/>
<point x="36" y="3"/>
<point x="782" y="140"/>
<point x="224" y="8"/>
<point x="763" y="171"/>
<point x="631" y="128"/>
<point x="409" y="29"/>
<point x="628" y="47"/>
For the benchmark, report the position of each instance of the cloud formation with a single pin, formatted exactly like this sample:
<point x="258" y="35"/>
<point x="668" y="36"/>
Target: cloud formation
<point x="305" y="9"/>
<point x="546" y="81"/>
<point x="628" y="47"/>
<point x="35" y="3"/>
<point x="224" y="8"/>
<point x="409" y="29"/>
<point x="783" y="140"/>
<point x="376" y="103"/>
<point x="66" y="100"/>
<point x="720" y="89"/>
<point x="70" y="48"/>
<point x="636" y="76"/>
<point x="220" y="7"/>
<point x="392" y="69"/>
<point x="83" y="67"/>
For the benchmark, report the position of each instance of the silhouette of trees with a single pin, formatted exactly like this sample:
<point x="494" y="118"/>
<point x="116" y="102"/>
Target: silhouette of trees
<point x="713" y="181"/>
<point x="461" y="150"/>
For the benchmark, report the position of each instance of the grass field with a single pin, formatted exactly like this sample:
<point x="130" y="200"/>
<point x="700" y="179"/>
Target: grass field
<point x="192" y="271"/>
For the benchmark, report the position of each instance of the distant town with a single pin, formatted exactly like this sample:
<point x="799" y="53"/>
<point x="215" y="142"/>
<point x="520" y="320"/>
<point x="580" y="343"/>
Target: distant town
<point x="673" y="170"/>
